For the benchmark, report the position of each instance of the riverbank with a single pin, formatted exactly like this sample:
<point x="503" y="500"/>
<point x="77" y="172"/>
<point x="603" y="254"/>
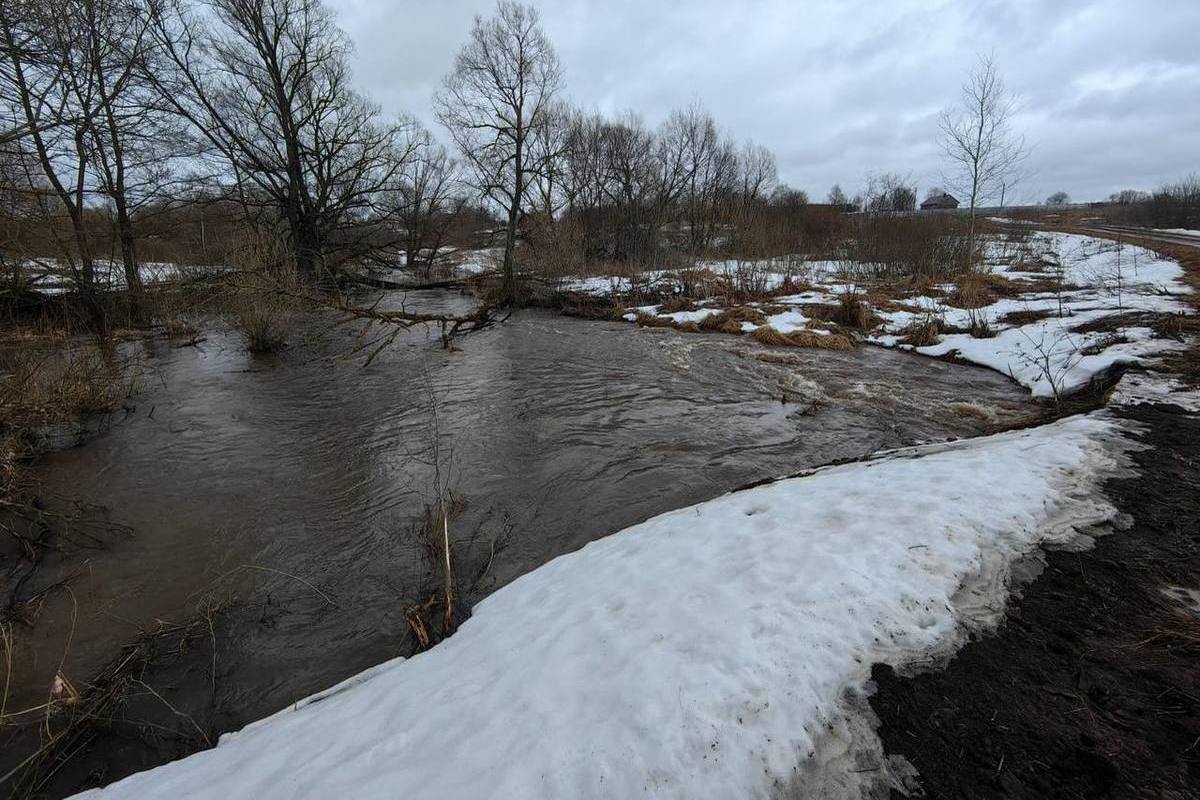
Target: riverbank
<point x="275" y="500"/>
<point x="1089" y="688"/>
<point x="641" y="395"/>
<point x="719" y="650"/>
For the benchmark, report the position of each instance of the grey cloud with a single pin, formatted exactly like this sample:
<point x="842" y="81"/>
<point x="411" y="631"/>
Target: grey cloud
<point x="1110" y="88"/>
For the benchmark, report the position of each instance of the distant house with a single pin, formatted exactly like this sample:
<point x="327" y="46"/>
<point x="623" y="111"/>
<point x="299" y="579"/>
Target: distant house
<point x="939" y="201"/>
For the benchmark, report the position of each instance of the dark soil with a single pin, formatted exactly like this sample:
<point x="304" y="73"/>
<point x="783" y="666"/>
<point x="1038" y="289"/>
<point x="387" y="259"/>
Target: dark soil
<point x="1091" y="687"/>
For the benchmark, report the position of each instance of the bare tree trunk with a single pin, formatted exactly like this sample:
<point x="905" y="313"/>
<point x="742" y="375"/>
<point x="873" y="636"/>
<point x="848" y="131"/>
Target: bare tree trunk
<point x="508" y="290"/>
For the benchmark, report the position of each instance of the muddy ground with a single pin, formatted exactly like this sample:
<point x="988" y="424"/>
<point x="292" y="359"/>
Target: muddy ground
<point x="1091" y="686"/>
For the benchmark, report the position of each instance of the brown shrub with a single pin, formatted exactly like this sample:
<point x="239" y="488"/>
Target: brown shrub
<point x="40" y="388"/>
<point x="265" y="319"/>
<point x="933" y="247"/>
<point x="981" y="327"/>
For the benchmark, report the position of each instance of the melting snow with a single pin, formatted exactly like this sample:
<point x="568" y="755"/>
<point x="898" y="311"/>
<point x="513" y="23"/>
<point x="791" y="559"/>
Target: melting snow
<point x="721" y="650"/>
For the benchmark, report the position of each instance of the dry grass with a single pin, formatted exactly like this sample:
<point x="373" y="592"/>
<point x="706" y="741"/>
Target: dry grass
<point x="765" y="334"/>
<point x="1176" y="325"/>
<point x="645" y="320"/>
<point x="922" y="333"/>
<point x="726" y="320"/>
<point x="985" y="288"/>
<point x="732" y="327"/>
<point x="676" y="304"/>
<point x="1027" y="317"/>
<point x="854" y="312"/>
<point x="265" y="319"/>
<point x="63" y="727"/>
<point x="42" y="387"/>
<point x="39" y="390"/>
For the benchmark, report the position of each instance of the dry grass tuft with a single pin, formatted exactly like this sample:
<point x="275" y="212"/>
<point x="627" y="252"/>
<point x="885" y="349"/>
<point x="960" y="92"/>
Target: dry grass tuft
<point x="922" y="333"/>
<point x="645" y="320"/>
<point x="731" y="326"/>
<point x="765" y="334"/>
<point x="816" y="341"/>
<point x="1176" y="325"/>
<point x="985" y="288"/>
<point x="676" y="304"/>
<point x="738" y="314"/>
<point x="1026" y="317"/>
<point x="853" y="312"/>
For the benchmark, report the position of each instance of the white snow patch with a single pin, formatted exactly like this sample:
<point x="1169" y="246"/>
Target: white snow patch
<point x="1154" y="388"/>
<point x="721" y="650"/>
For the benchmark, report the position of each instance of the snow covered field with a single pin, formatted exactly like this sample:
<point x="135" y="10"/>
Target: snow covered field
<point x="716" y="651"/>
<point x="1047" y="354"/>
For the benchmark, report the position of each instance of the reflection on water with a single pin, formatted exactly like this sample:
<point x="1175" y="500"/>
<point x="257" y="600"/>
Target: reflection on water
<point x="556" y="431"/>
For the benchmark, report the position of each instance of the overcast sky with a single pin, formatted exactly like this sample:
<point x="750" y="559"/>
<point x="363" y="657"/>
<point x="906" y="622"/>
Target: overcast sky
<point x="1110" y="88"/>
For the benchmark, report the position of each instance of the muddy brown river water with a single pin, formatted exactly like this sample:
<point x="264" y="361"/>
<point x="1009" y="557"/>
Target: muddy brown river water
<point x="290" y="486"/>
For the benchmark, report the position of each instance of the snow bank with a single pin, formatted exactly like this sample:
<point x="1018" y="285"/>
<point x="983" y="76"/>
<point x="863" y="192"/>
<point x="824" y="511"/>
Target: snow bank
<point x="1049" y="356"/>
<point x="719" y="651"/>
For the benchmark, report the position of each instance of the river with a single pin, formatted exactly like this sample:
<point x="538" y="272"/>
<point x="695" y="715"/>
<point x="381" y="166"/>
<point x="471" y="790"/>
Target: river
<point x="289" y="488"/>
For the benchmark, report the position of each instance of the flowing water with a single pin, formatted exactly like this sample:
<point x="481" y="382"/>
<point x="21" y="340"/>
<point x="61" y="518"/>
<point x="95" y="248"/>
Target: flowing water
<point x="292" y="487"/>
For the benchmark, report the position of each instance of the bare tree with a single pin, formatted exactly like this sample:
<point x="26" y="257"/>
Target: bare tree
<point x="1058" y="199"/>
<point x="698" y="167"/>
<point x="39" y="83"/>
<point x="430" y="201"/>
<point x="266" y="84"/>
<point x="760" y="174"/>
<point x="979" y="142"/>
<point x="836" y="196"/>
<point x="493" y="103"/>
<point x="888" y="191"/>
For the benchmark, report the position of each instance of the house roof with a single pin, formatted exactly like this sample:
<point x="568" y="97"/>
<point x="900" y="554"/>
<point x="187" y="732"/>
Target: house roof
<point x="943" y="198"/>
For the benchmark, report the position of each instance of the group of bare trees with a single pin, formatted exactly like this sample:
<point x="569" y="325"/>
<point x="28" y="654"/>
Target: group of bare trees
<point x="1175" y="205"/>
<point x="632" y="189"/>
<point x="616" y="182"/>
<point x="128" y="106"/>
<point x="82" y="122"/>
<point x="132" y="107"/>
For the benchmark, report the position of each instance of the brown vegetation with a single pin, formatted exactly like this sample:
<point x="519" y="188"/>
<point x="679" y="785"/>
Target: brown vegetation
<point x="930" y="248"/>
<point x="922" y="333"/>
<point x="730" y="320"/>
<point x="765" y="334"/>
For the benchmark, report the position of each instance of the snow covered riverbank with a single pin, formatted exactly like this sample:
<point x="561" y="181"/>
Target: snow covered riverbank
<point x="720" y="650"/>
<point x="1072" y="307"/>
